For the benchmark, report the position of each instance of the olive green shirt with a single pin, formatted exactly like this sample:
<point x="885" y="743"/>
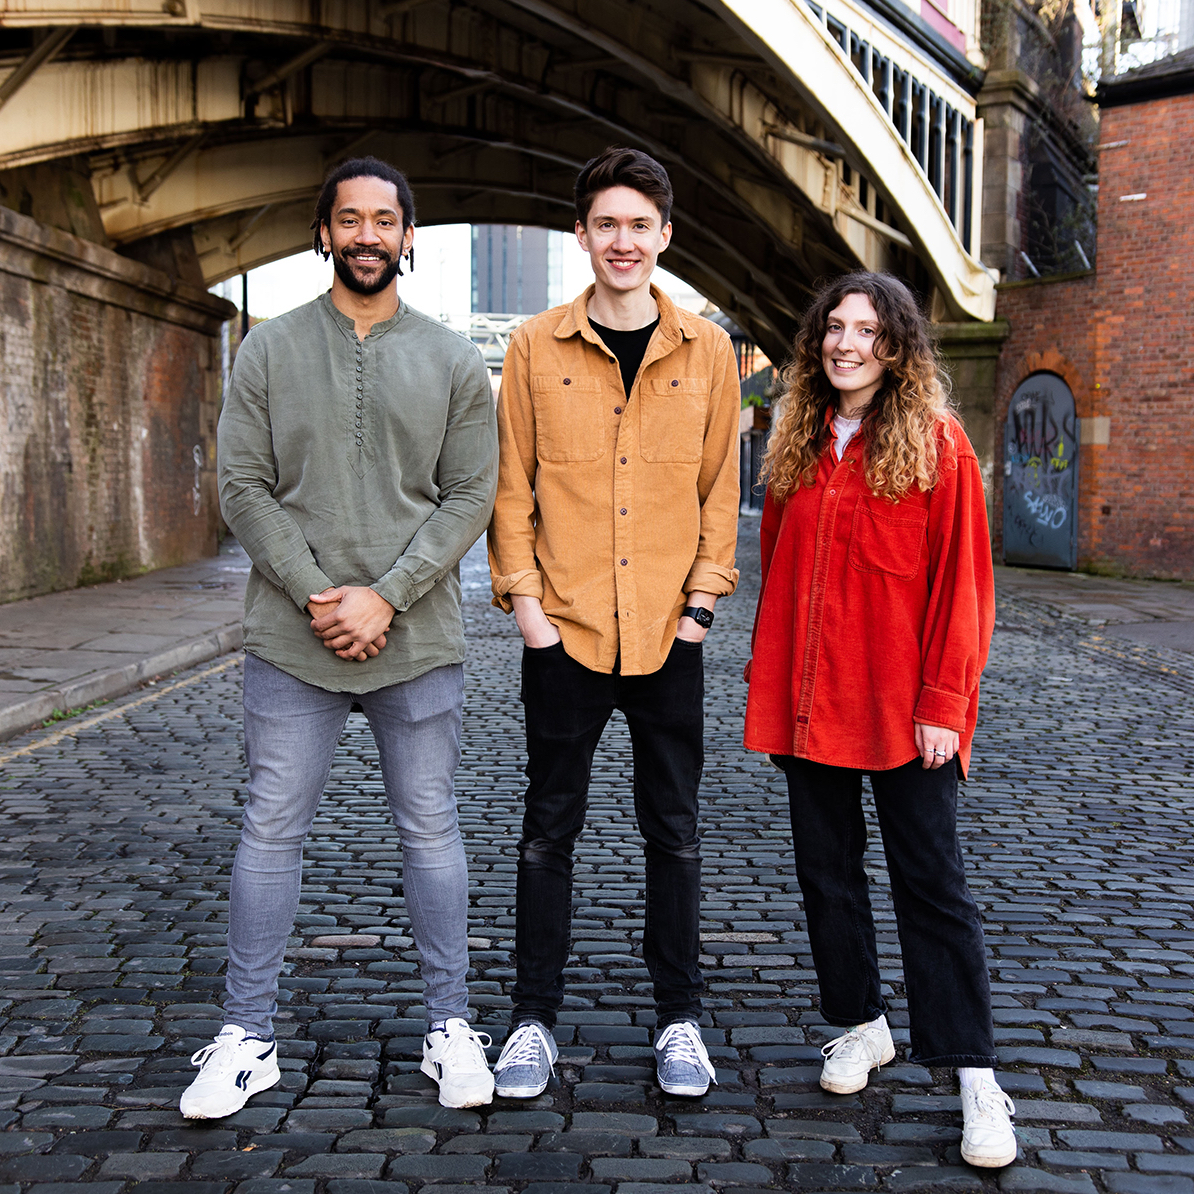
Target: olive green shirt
<point x="350" y="462"/>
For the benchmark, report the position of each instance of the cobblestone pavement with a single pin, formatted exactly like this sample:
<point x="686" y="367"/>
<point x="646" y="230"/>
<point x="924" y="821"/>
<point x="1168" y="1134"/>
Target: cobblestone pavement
<point x="114" y="870"/>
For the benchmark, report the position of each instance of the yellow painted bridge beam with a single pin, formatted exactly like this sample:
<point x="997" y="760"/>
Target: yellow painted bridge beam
<point x="787" y="156"/>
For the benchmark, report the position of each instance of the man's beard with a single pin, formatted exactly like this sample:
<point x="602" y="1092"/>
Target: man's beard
<point x="344" y="272"/>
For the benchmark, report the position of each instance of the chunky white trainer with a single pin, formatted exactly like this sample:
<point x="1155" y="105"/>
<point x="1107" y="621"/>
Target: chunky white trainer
<point x="233" y="1067"/>
<point x="849" y="1059"/>
<point x="682" y="1062"/>
<point x="454" y="1056"/>
<point x="988" y="1138"/>
<point x="525" y="1066"/>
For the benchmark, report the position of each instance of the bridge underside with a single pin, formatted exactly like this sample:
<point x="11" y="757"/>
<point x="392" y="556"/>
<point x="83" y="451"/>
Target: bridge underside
<point x="222" y="116"/>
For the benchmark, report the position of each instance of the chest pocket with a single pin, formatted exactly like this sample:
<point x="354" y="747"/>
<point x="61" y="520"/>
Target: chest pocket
<point x="888" y="539"/>
<point x="672" y="419"/>
<point x="569" y="422"/>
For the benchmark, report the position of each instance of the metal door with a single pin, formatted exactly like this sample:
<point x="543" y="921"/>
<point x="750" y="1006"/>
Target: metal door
<point x="1040" y="475"/>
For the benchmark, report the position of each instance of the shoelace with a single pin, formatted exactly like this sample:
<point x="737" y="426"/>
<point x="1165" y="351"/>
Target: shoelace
<point x="684" y="1039"/>
<point x="524" y="1047"/>
<point x="990" y="1100"/>
<point x="479" y="1042"/>
<point x="853" y="1040"/>
<point x="208" y="1051"/>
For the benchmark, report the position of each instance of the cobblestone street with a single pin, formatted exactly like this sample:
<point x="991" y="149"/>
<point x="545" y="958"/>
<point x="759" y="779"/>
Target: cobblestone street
<point x="114" y="864"/>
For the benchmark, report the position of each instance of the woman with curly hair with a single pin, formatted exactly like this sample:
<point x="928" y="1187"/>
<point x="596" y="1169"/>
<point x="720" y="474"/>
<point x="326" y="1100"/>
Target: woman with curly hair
<point x="873" y="625"/>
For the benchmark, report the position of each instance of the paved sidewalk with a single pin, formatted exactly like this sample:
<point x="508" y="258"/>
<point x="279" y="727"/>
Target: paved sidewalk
<point x="119" y="834"/>
<point x="67" y="650"/>
<point x="1153" y="612"/>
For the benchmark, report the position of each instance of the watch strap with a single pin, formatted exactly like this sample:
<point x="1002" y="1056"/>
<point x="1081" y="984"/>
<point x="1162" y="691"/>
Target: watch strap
<point x="701" y="616"/>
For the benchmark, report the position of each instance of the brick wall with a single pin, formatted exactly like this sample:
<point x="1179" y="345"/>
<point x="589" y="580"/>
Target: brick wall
<point x="1121" y="338"/>
<point x="109" y="391"/>
<point x="1052" y="330"/>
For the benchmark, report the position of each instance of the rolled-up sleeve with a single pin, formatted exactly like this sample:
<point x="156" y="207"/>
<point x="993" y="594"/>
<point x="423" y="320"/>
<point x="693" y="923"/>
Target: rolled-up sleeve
<point x="513" y="569"/>
<point x="713" y="568"/>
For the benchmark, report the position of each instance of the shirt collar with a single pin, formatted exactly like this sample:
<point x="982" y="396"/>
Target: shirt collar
<point x="673" y="325"/>
<point x="349" y="328"/>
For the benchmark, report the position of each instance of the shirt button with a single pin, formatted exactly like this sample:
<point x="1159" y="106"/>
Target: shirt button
<point x="675" y="382"/>
<point x="623" y="562"/>
<point x="567" y="381"/>
<point x="832" y="492"/>
<point x="623" y="510"/>
<point x="623" y="460"/>
<point x="617" y="410"/>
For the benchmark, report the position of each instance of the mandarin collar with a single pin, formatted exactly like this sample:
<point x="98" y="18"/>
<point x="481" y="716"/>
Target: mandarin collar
<point x="349" y="327"/>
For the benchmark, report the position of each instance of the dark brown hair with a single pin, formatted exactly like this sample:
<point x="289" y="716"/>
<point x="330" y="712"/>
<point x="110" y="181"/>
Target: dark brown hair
<point x="620" y="167"/>
<point x="368" y="167"/>
<point x="900" y="426"/>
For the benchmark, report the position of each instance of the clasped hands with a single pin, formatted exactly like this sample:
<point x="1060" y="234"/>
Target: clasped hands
<point x="352" y="620"/>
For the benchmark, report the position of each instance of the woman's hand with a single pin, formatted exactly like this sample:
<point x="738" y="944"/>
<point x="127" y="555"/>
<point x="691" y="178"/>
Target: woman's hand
<point x="936" y="744"/>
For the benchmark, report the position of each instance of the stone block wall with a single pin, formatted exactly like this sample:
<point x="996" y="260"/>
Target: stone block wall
<point x="110" y="380"/>
<point x="1121" y="339"/>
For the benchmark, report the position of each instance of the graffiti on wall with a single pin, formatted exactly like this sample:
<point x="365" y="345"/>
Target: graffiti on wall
<point x="1040" y="474"/>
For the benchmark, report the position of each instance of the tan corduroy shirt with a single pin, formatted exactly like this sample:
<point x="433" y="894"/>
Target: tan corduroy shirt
<point x="611" y="509"/>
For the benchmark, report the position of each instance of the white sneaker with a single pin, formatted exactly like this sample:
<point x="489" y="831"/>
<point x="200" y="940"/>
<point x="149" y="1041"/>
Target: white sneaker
<point x="988" y="1138"/>
<point x="231" y="1068"/>
<point x="524" y="1068"/>
<point x="849" y="1059"/>
<point x="454" y="1056"/>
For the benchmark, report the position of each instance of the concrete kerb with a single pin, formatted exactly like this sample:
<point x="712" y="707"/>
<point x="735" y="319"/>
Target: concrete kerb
<point x="109" y="683"/>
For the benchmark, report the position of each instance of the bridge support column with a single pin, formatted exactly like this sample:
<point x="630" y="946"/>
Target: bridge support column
<point x="111" y="386"/>
<point x="971" y="352"/>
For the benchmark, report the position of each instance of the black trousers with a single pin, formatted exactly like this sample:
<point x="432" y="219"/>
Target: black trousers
<point x="941" y="936"/>
<point x="567" y="707"/>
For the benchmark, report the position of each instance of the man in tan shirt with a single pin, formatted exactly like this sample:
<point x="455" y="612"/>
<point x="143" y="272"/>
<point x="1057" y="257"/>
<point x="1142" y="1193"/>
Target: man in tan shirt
<point x="612" y="538"/>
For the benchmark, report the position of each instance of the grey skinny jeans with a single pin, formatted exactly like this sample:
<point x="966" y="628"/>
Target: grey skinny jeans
<point x="291" y="732"/>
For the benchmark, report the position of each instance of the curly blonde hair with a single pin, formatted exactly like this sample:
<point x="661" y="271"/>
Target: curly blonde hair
<point x="901" y="425"/>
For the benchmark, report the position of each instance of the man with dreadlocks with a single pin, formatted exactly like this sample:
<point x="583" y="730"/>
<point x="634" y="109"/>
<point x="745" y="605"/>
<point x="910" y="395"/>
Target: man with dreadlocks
<point x="357" y="464"/>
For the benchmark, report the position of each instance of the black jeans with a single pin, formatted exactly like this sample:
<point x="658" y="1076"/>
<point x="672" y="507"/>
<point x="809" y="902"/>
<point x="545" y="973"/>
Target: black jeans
<point x="941" y="936"/>
<point x="567" y="707"/>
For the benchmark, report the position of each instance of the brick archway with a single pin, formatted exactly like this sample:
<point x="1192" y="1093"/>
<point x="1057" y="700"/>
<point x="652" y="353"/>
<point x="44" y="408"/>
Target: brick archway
<point x="1052" y="361"/>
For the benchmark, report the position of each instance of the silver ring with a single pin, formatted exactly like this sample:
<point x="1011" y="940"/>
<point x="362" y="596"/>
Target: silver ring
<point x="941" y="754"/>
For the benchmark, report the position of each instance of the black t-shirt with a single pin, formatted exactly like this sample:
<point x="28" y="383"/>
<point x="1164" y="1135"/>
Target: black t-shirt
<point x="628" y="347"/>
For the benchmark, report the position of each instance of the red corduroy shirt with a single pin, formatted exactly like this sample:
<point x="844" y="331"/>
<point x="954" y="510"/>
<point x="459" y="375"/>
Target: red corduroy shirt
<point x="873" y="614"/>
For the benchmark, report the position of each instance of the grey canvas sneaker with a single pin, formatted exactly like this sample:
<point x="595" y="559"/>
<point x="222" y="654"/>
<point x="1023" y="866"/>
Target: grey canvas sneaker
<point x="525" y="1066"/>
<point x="682" y="1062"/>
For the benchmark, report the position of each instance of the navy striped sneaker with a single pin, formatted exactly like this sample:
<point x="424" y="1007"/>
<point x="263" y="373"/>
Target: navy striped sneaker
<point x="233" y="1067"/>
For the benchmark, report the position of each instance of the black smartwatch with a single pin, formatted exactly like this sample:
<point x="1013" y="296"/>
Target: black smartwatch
<point x="702" y="617"/>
